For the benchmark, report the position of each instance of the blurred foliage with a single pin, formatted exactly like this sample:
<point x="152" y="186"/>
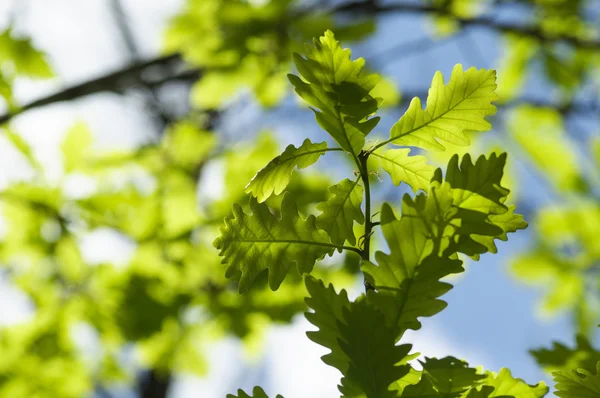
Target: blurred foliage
<point x="167" y="309"/>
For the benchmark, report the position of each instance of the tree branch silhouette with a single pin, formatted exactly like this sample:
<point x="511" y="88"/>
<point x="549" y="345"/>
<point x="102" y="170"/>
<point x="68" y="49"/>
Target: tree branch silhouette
<point x="155" y="72"/>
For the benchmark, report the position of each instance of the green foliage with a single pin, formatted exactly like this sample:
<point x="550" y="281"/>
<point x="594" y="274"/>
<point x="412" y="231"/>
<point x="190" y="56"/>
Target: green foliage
<point x="257" y="392"/>
<point x="335" y="86"/>
<point x="461" y="212"/>
<point x="19" y="58"/>
<point x="362" y="347"/>
<point x="275" y="176"/>
<point x="253" y="243"/>
<point x="412" y="170"/>
<point x="583" y="355"/>
<point x="341" y="211"/>
<point x="541" y="134"/>
<point x="453" y="110"/>
<point x="173" y="296"/>
<point x="580" y="383"/>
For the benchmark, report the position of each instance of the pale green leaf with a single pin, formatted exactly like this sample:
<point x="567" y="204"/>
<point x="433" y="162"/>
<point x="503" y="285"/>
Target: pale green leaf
<point x="476" y="186"/>
<point x="452" y="110"/>
<point x="23" y="56"/>
<point x="255" y="242"/>
<point x="188" y="145"/>
<point x="580" y="383"/>
<point x="512" y="72"/>
<point x="75" y="147"/>
<point x="275" y="176"/>
<point x="412" y="170"/>
<point x="508" y="221"/>
<point x="506" y="385"/>
<point x="540" y="132"/>
<point x="179" y="204"/>
<point x="23" y="147"/>
<point x="334" y="85"/>
<point x="341" y="211"/>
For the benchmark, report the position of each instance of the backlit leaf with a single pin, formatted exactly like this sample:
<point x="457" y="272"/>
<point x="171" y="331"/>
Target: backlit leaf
<point x="275" y="176"/>
<point x="452" y="110"/>
<point x="341" y="211"/>
<point x="255" y="242"/>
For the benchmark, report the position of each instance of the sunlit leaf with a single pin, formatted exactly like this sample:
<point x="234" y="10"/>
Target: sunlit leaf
<point x="452" y="110"/>
<point x="275" y="176"/>
<point x="335" y="86"/>
<point x="253" y="243"/>
<point x="341" y="211"/>
<point x="412" y="170"/>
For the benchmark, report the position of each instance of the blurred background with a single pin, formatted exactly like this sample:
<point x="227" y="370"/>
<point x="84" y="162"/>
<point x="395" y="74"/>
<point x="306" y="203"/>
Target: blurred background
<point x="130" y="127"/>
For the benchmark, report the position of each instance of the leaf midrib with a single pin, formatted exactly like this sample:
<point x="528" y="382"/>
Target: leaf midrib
<point x="391" y="139"/>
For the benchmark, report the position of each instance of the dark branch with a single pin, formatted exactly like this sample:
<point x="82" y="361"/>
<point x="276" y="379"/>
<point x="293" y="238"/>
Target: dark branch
<point x="155" y="72"/>
<point x="368" y="7"/>
<point x="150" y="73"/>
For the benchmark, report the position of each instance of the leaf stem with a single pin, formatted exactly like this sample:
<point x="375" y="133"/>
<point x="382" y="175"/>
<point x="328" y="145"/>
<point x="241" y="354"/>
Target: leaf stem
<point x="364" y="173"/>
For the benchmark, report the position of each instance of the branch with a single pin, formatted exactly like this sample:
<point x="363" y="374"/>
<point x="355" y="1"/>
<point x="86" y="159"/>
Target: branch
<point x="368" y="7"/>
<point x="150" y="73"/>
<point x="155" y="72"/>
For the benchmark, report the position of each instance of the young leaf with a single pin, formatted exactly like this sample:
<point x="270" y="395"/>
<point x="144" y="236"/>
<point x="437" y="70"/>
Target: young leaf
<point x="252" y="243"/>
<point x="335" y="87"/>
<point x="328" y="307"/>
<point x="505" y="385"/>
<point x="451" y="376"/>
<point x="580" y="383"/>
<point x="362" y="346"/>
<point x="452" y="110"/>
<point x="275" y="176"/>
<point x="341" y="210"/>
<point x="508" y="222"/>
<point x="412" y="170"/>
<point x="371" y="347"/>
<point x="583" y="355"/>
<point x="477" y="186"/>
<point x="405" y="298"/>
<point x="257" y="392"/>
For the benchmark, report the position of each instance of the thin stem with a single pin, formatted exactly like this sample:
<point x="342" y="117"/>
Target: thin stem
<point x="364" y="174"/>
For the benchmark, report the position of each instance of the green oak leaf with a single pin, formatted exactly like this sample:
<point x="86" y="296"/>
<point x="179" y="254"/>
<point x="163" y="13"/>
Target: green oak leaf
<point x="412" y="170"/>
<point x="405" y="298"/>
<point x="451" y="376"/>
<point x="423" y="389"/>
<point x="559" y="356"/>
<point x="257" y="392"/>
<point x="452" y="110"/>
<point x="465" y="206"/>
<point x="476" y="186"/>
<point x="508" y="222"/>
<point x="362" y="346"/>
<point x="328" y="306"/>
<point x="334" y="85"/>
<point x="505" y="385"/>
<point x="580" y="383"/>
<point x="407" y="281"/>
<point x="255" y="242"/>
<point x="275" y="176"/>
<point x="341" y="210"/>
<point x="372" y="351"/>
